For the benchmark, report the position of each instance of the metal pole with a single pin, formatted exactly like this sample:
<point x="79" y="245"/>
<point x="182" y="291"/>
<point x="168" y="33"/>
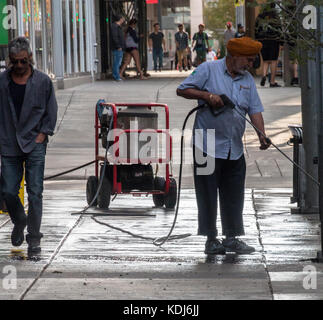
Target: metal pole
<point x="20" y="10"/>
<point x="310" y="114"/>
<point x="68" y="38"/>
<point x="319" y="62"/>
<point x="58" y="49"/>
<point x="159" y="8"/>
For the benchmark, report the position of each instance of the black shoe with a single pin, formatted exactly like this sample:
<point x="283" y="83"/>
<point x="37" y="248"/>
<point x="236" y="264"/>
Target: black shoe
<point x="237" y="246"/>
<point x="275" y="85"/>
<point x="17" y="235"/>
<point x="294" y="82"/>
<point x="33" y="244"/>
<point x="263" y="81"/>
<point x="34" y="247"/>
<point x="214" y="247"/>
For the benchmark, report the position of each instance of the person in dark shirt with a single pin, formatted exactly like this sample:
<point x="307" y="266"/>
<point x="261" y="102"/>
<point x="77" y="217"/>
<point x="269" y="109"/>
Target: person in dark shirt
<point x="181" y="40"/>
<point x="156" y="45"/>
<point x="132" y="43"/>
<point x="28" y="115"/>
<point x="117" y="45"/>
<point x="201" y="44"/>
<point x="268" y="30"/>
<point x="241" y="32"/>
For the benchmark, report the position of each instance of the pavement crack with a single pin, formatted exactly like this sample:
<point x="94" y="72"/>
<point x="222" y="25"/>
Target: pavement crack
<point x="263" y="256"/>
<point x="55" y="253"/>
<point x="257" y="165"/>
<point x="4" y="223"/>
<point x="281" y="173"/>
<point x="163" y="87"/>
<point x="63" y="116"/>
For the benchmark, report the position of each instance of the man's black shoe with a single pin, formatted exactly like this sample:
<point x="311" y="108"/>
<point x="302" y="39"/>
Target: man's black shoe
<point x="275" y="85"/>
<point x="17" y="235"/>
<point x="34" y="249"/>
<point x="263" y="81"/>
<point x="33" y="244"/>
<point x="214" y="247"/>
<point x="294" y="82"/>
<point x="237" y="246"/>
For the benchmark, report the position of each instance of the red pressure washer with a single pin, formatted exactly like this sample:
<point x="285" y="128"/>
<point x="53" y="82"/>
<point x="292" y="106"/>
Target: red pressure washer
<point x="130" y="173"/>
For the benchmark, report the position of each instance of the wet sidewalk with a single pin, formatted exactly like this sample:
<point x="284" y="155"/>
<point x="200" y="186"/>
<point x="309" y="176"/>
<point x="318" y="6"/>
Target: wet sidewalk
<point x="85" y="260"/>
<point x="82" y="259"/>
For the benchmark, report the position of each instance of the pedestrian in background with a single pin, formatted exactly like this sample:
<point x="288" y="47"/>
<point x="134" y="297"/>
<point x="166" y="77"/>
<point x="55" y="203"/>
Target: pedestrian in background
<point x="28" y="114"/>
<point x="241" y="31"/>
<point x="181" y="39"/>
<point x="157" y="45"/>
<point x="211" y="55"/>
<point x="228" y="34"/>
<point x="117" y="45"/>
<point x="200" y="44"/>
<point x="268" y="32"/>
<point x="131" y="50"/>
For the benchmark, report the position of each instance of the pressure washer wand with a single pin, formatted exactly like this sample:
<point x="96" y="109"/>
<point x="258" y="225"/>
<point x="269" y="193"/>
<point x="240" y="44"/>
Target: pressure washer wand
<point x="229" y="103"/>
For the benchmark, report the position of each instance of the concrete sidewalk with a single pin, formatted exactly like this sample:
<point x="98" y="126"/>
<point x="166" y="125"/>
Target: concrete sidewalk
<point x="84" y="260"/>
<point x="75" y="129"/>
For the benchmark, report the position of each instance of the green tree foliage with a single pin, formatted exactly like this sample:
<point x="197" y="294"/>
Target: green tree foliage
<point x="216" y="14"/>
<point x="292" y="31"/>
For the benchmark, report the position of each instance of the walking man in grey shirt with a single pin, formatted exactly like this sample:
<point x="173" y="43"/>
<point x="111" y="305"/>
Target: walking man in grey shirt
<point x="219" y="163"/>
<point x="28" y="114"/>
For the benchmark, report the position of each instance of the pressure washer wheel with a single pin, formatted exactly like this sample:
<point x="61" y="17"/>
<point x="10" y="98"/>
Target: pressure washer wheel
<point x="104" y="196"/>
<point x="171" y="198"/>
<point x="91" y="189"/>
<point x="159" y="185"/>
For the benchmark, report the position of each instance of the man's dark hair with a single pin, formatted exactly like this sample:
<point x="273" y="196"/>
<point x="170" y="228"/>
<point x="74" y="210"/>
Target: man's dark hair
<point x="19" y="44"/>
<point x="156" y="24"/>
<point x="180" y="25"/>
<point x="117" y="18"/>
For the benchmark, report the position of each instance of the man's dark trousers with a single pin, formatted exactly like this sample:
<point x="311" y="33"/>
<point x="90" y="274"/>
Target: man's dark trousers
<point x="227" y="179"/>
<point x="158" y="55"/>
<point x="12" y="169"/>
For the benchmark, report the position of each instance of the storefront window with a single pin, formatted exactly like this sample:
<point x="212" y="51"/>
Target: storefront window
<point x="48" y="37"/>
<point x="8" y="28"/>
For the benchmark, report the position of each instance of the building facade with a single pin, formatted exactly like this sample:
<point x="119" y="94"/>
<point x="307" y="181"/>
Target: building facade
<point x="61" y="33"/>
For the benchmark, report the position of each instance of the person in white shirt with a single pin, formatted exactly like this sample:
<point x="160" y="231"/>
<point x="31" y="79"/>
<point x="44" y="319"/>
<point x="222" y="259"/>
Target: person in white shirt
<point x="211" y="55"/>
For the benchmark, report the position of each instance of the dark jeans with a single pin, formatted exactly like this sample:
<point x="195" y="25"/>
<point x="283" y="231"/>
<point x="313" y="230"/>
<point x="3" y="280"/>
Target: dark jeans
<point x="1" y="197"/>
<point x="12" y="169"/>
<point x="227" y="179"/>
<point x="158" y="55"/>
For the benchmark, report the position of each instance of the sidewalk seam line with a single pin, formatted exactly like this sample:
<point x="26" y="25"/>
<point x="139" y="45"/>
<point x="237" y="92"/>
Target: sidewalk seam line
<point x="263" y="257"/>
<point x="281" y="173"/>
<point x="22" y="297"/>
<point x="258" y="167"/>
<point x="4" y="223"/>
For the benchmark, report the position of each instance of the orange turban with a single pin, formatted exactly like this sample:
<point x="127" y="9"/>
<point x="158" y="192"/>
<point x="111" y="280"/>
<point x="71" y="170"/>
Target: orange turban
<point x="244" y="46"/>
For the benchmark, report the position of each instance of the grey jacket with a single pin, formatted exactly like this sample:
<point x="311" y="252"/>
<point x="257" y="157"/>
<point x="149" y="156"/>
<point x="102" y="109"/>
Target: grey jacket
<point x="38" y="114"/>
<point x="117" y="37"/>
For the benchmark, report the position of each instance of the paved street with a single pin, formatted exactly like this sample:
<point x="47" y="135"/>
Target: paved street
<point x="82" y="259"/>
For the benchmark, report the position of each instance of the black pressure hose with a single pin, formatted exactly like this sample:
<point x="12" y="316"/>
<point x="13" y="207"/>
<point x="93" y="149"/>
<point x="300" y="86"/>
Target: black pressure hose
<point x="160" y="241"/>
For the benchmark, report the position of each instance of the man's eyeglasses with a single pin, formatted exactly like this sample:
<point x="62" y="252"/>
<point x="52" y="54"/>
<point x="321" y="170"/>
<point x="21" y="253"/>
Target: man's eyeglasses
<point x="16" y="61"/>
